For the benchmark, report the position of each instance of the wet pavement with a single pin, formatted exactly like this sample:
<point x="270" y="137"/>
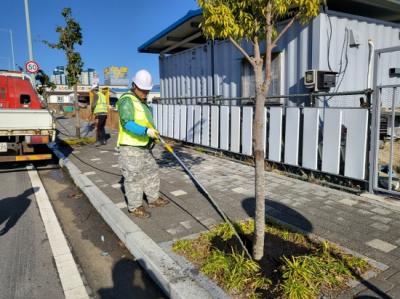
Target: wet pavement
<point x="368" y="226"/>
<point x="110" y="271"/>
<point x="27" y="269"/>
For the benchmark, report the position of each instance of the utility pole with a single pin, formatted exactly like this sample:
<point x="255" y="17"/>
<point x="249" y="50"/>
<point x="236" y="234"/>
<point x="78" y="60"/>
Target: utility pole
<point x="12" y="50"/>
<point x="28" y="33"/>
<point x="12" y="46"/>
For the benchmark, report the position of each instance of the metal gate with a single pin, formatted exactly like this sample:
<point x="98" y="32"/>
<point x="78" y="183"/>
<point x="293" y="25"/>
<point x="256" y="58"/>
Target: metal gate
<point x="385" y="141"/>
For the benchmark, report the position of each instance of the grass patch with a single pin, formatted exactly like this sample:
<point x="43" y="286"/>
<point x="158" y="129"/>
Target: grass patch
<point x="79" y="141"/>
<point x="294" y="266"/>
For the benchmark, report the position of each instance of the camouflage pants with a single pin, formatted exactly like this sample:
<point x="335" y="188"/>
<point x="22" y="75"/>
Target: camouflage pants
<point x="140" y="172"/>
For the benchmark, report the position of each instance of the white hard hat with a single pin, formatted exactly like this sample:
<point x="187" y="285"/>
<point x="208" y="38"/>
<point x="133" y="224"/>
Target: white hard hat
<point x="94" y="86"/>
<point x="143" y="80"/>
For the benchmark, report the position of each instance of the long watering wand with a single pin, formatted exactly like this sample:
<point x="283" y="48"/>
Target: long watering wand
<point x="208" y="196"/>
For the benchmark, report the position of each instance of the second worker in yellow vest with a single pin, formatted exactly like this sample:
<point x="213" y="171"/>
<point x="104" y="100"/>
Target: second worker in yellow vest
<point x="99" y="109"/>
<point x="135" y="138"/>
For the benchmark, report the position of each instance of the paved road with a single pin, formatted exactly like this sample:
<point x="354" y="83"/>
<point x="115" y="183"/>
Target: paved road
<point x="110" y="271"/>
<point x="26" y="262"/>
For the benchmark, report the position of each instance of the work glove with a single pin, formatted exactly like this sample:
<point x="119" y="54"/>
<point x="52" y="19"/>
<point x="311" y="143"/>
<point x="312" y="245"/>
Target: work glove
<point x="152" y="133"/>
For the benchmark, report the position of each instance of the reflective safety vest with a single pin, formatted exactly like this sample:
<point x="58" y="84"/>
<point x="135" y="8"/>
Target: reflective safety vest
<point x="101" y="104"/>
<point x="142" y="116"/>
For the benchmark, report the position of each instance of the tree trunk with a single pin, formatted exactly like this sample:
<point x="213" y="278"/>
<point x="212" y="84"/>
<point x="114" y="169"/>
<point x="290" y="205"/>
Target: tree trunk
<point x="259" y="144"/>
<point x="77" y="124"/>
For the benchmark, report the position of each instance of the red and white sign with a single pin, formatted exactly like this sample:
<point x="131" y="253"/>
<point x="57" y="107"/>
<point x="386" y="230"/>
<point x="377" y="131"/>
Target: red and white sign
<point x="31" y="67"/>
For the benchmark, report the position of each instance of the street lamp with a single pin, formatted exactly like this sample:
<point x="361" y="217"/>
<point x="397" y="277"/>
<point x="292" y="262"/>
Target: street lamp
<point x="28" y="33"/>
<point x="28" y="29"/>
<point x="12" y="45"/>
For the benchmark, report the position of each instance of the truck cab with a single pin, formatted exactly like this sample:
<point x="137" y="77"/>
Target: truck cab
<point x="26" y="126"/>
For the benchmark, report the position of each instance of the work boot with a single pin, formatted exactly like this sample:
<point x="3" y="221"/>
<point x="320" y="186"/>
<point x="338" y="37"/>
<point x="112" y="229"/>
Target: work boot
<point x="159" y="202"/>
<point x="140" y="212"/>
<point x="97" y="144"/>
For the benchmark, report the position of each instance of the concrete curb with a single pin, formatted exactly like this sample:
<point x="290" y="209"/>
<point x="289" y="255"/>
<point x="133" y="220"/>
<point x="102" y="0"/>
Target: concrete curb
<point x="170" y="277"/>
<point x="194" y="272"/>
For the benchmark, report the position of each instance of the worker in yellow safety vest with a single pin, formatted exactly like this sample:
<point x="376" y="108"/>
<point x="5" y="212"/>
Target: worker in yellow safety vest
<point x="136" y="136"/>
<point x="99" y="110"/>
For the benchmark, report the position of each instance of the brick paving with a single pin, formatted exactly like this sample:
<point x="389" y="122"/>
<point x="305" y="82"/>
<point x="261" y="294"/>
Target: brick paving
<point x="368" y="226"/>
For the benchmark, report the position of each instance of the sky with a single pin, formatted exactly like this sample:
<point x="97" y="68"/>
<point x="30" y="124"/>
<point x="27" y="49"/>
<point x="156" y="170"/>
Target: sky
<point x="112" y="31"/>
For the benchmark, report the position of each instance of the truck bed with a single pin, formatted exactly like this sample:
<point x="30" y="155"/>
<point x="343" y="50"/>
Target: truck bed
<point x="13" y="120"/>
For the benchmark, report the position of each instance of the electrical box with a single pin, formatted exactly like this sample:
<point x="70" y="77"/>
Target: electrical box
<point x="354" y="39"/>
<point x="394" y="72"/>
<point x="320" y="80"/>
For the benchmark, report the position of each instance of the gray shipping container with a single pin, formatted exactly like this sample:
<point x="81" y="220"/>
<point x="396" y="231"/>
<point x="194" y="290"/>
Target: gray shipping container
<point x="190" y="73"/>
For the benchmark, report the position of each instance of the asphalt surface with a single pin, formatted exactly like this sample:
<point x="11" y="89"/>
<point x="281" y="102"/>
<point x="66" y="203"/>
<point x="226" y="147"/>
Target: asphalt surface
<point x="26" y="260"/>
<point x="109" y="270"/>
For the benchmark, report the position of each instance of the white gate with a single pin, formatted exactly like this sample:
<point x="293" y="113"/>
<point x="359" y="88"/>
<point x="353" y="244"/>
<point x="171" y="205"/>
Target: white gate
<point x="331" y="140"/>
<point x="385" y="141"/>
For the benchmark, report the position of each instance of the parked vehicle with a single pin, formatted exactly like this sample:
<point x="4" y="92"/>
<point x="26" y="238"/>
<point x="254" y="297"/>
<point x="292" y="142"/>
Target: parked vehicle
<point x="26" y="126"/>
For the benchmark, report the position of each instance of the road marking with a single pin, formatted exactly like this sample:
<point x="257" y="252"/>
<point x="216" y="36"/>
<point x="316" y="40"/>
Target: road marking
<point x="381" y="245"/>
<point x="348" y="202"/>
<point x="186" y="224"/>
<point x="95" y="159"/>
<point x="89" y="173"/>
<point x="114" y="165"/>
<point x="178" y="193"/>
<point x="116" y="186"/>
<point x="380" y="226"/>
<point x="381" y="211"/>
<point x="240" y="190"/>
<point x="175" y="230"/>
<point x="68" y="272"/>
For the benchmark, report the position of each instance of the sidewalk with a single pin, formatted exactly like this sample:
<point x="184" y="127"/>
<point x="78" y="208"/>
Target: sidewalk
<point x="368" y="226"/>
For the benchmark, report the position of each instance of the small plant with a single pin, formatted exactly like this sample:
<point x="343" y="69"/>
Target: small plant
<point x="328" y="268"/>
<point x="323" y="267"/>
<point x="235" y="272"/>
<point x="195" y="250"/>
<point x="224" y="231"/>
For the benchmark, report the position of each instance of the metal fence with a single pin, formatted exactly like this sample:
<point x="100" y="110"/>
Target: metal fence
<point x="301" y="130"/>
<point x="385" y="145"/>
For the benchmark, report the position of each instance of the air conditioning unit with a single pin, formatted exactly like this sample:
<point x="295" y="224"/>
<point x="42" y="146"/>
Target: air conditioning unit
<point x="319" y="80"/>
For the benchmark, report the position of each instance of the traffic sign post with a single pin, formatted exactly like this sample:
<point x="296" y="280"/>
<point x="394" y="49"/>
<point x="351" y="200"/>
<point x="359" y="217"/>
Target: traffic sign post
<point x="31" y="67"/>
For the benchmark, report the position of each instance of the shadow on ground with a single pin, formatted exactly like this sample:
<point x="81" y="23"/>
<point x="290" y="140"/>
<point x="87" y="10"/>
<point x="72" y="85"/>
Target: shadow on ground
<point x="280" y="212"/>
<point x="167" y="160"/>
<point x="126" y="274"/>
<point x="111" y="271"/>
<point x="275" y="247"/>
<point x="12" y="208"/>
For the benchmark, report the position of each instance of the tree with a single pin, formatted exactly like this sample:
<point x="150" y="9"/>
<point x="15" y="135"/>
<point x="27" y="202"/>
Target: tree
<point x="45" y="84"/>
<point x="69" y="36"/>
<point x="256" y="21"/>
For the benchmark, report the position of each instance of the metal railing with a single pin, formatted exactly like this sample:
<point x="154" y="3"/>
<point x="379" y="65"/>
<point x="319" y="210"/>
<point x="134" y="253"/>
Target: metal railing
<point x="311" y="99"/>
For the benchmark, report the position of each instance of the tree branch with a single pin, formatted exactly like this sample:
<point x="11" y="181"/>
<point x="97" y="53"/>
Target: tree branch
<point x="240" y="48"/>
<point x="283" y="31"/>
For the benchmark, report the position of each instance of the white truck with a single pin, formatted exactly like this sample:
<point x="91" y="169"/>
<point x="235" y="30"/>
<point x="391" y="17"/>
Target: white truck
<point x="25" y="125"/>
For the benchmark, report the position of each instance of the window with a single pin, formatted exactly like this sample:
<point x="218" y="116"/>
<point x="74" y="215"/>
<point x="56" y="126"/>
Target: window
<point x="25" y="99"/>
<point x="60" y="100"/>
<point x="248" y="80"/>
<point x="2" y="93"/>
